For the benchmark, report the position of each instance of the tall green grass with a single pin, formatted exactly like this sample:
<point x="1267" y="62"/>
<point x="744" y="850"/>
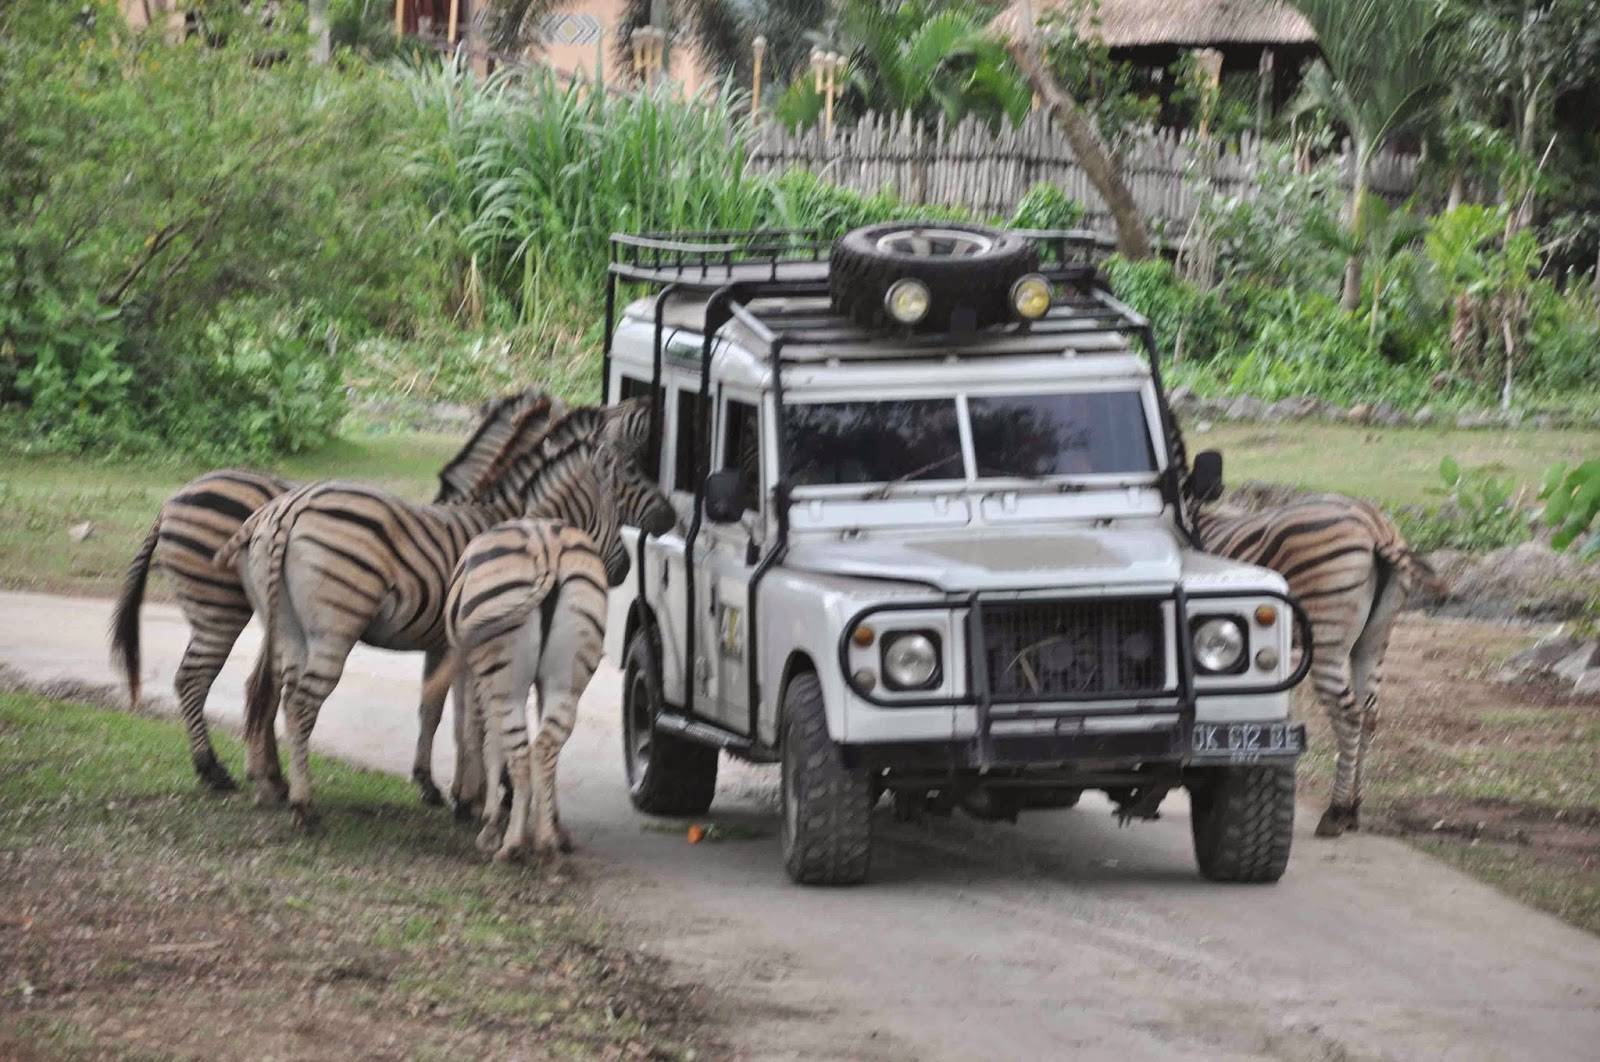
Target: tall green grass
<point x="534" y="174"/>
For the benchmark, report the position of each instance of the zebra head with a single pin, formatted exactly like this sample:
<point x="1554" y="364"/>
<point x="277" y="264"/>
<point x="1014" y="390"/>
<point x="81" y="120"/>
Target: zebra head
<point x="626" y="428"/>
<point x="589" y="486"/>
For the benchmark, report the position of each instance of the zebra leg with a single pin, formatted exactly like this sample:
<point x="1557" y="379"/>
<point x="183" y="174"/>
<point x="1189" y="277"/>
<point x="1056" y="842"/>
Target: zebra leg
<point x="517" y="657"/>
<point x="575" y="640"/>
<point x="324" y="665"/>
<point x="494" y="809"/>
<point x="428" y="716"/>
<point x="1333" y="689"/>
<point x="1366" y="661"/>
<point x="209" y="644"/>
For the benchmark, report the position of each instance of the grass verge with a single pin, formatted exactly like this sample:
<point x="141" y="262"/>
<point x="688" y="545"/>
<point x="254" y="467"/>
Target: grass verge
<point x="1497" y="779"/>
<point x="144" y="919"/>
<point x="41" y="498"/>
<point x="1393" y="466"/>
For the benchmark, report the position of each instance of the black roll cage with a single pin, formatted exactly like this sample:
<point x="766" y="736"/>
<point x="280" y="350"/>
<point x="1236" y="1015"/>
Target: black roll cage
<point x="735" y="267"/>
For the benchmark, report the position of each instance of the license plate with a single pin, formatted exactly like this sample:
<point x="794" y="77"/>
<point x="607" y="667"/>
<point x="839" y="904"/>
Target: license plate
<point x="1245" y="742"/>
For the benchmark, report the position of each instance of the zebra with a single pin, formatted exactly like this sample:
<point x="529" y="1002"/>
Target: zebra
<point x="334" y="563"/>
<point x="195" y="521"/>
<point x="1351" y="570"/>
<point x="527" y="608"/>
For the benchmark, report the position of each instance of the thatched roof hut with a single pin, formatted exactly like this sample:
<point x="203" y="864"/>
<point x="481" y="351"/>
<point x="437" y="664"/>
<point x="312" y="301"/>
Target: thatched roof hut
<point x="1156" y="31"/>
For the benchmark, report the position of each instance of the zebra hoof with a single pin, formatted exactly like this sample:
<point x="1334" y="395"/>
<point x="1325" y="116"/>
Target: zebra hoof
<point x="489" y="839"/>
<point x="426" y="789"/>
<point x="214" y="776"/>
<point x="467" y="811"/>
<point x="564" y="841"/>
<point x="306" y="818"/>
<point x="271" y="792"/>
<point x="1335" y="821"/>
<point x="509" y="854"/>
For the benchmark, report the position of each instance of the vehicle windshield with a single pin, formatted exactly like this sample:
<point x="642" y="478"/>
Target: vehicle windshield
<point x="1084" y="434"/>
<point x="873" y="442"/>
<point x="910" y="440"/>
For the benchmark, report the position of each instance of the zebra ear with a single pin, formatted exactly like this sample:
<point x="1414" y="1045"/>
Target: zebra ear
<point x="1205" y="481"/>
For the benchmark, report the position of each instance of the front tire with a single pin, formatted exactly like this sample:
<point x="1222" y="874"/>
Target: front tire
<point x="827" y="807"/>
<point x="1243" y="822"/>
<point x="666" y="774"/>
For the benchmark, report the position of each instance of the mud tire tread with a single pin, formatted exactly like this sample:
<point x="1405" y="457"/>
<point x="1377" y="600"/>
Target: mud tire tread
<point x="1243" y="823"/>
<point x="681" y="777"/>
<point x="832" y="840"/>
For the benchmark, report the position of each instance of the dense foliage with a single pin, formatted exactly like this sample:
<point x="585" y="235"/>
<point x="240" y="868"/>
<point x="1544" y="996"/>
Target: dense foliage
<point x="188" y="236"/>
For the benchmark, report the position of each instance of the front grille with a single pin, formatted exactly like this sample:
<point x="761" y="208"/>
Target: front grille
<point x="1044" y="649"/>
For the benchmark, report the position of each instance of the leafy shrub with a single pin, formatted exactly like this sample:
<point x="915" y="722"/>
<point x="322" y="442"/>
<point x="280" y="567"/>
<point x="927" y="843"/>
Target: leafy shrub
<point x="1572" y="501"/>
<point x="1188" y="323"/>
<point x="1481" y="512"/>
<point x="1046" y="206"/>
<point x="181" y="227"/>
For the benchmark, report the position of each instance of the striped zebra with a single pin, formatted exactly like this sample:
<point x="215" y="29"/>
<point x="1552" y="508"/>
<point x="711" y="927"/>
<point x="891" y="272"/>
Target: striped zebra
<point x="334" y="563"/>
<point x="1351" y="570"/>
<point x="527" y="609"/>
<point x="195" y="522"/>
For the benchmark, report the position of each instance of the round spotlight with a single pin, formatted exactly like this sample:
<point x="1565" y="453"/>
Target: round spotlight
<point x="907" y="301"/>
<point x="1218" y="645"/>
<point x="1267" y="660"/>
<point x="863" y="635"/>
<point x="864" y="680"/>
<point x="1030" y="297"/>
<point x="1266" y="615"/>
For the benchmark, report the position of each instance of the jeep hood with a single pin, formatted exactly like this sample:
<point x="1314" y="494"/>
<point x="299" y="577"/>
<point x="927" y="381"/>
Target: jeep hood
<point x="992" y="559"/>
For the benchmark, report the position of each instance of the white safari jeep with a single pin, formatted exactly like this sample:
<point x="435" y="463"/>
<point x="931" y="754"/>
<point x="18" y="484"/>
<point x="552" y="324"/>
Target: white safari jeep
<point x="932" y="544"/>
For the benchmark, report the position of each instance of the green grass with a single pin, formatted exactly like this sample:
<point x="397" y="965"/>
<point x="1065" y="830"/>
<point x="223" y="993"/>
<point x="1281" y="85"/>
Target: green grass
<point x="1394" y="466"/>
<point x="41" y="497"/>
<point x="389" y="909"/>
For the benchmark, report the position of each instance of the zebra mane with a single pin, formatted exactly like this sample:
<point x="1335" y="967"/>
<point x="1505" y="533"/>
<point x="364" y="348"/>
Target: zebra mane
<point x="524" y="439"/>
<point x="504" y="420"/>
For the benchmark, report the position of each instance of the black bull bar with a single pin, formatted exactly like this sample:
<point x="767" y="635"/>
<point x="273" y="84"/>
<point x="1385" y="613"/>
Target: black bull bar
<point x="1076" y="742"/>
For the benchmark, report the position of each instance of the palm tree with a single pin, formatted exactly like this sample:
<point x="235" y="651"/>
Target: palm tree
<point x="1383" y="72"/>
<point x="723" y="29"/>
<point x="918" y="56"/>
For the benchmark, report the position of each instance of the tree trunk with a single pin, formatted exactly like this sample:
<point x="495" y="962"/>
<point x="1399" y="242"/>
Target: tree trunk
<point x="1133" y="240"/>
<point x="321" y="39"/>
<point x="1356" y="214"/>
<point x="1458" y="190"/>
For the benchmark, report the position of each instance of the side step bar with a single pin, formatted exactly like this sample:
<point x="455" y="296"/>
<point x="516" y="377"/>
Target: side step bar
<point x="703" y="733"/>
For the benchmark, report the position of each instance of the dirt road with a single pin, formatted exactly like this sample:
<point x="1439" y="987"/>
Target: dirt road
<point x="1061" y="937"/>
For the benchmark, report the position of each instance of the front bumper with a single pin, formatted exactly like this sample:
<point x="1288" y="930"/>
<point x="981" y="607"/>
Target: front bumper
<point x="1156" y="725"/>
<point x="1083" y="750"/>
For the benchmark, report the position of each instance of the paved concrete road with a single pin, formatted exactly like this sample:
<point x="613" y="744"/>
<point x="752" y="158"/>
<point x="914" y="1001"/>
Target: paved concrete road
<point x="1062" y="937"/>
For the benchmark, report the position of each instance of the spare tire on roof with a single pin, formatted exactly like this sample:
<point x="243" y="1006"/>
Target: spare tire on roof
<point x="968" y="270"/>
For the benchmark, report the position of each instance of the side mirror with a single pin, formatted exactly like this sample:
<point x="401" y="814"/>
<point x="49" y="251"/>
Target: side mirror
<point x="1205" y="478"/>
<point x="725" y="496"/>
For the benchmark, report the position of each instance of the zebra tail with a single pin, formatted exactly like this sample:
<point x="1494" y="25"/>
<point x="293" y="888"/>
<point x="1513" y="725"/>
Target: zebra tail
<point x="262" y="703"/>
<point x="1408" y="565"/>
<point x="125" y="617"/>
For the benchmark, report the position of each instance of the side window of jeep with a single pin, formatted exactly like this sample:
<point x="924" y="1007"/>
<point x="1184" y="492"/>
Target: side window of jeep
<point x="741" y="448"/>
<point x="632" y="388"/>
<point x="694" y="440"/>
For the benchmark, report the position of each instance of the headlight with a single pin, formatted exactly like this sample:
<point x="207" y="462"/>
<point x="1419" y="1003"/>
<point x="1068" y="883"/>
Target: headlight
<point x="907" y="301"/>
<point x="911" y="660"/>
<point x="1030" y="297"/>
<point x="1219" y="645"/>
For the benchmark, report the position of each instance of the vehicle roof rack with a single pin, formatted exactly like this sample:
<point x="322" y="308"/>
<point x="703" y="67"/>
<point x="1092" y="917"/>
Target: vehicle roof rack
<point x="774" y="281"/>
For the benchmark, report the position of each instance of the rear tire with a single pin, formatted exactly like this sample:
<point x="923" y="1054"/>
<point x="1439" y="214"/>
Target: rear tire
<point x="1243" y="822"/>
<point x="666" y="774"/>
<point x="827" y="807"/>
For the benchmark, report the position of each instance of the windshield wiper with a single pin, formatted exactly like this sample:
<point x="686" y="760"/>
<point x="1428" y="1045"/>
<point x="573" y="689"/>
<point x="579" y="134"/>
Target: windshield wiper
<point x="883" y="491"/>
